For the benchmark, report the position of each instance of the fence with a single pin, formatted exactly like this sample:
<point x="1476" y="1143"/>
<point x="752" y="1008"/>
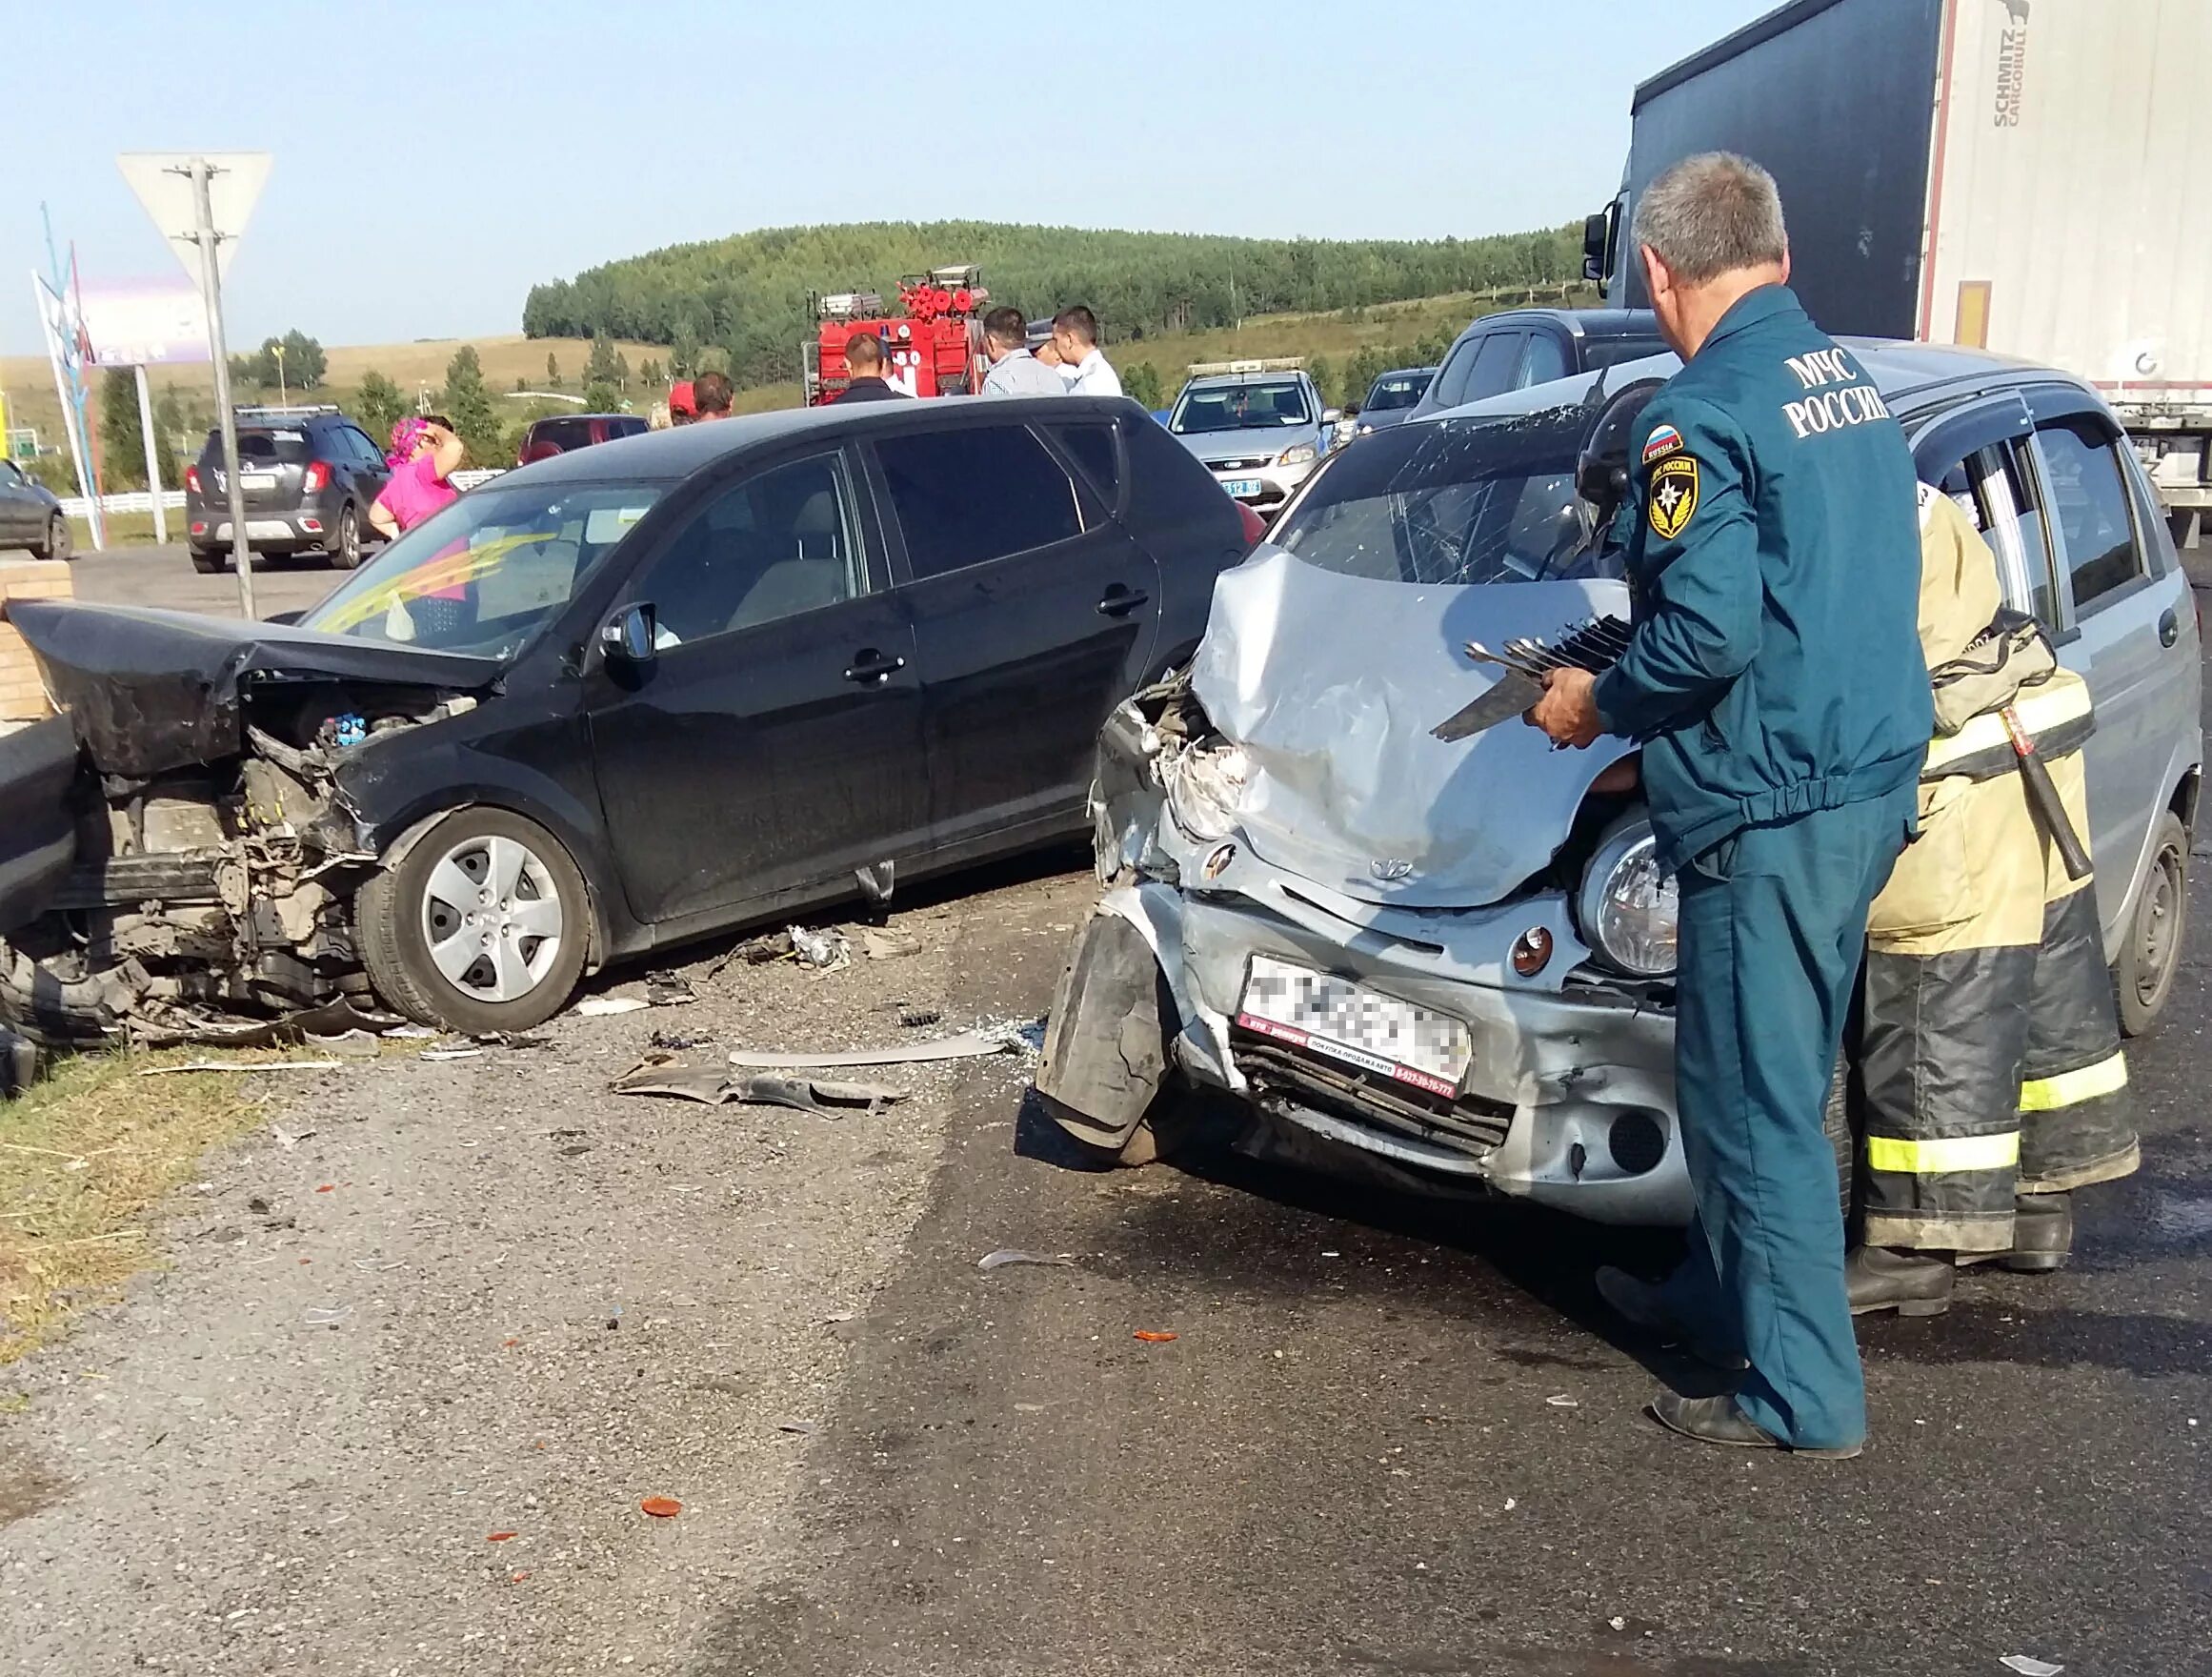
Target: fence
<point x="141" y="500"/>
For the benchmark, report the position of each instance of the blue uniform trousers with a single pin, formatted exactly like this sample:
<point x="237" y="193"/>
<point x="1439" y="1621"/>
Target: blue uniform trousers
<point x="1773" y="927"/>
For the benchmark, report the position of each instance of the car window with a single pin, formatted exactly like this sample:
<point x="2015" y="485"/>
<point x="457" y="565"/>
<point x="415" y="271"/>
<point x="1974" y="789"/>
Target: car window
<point x="971" y="495"/>
<point x="2005" y="512"/>
<point x="1452" y="377"/>
<point x="1494" y="366"/>
<point x="1611" y="352"/>
<point x="1486" y="502"/>
<point x="262" y="448"/>
<point x="1545" y="360"/>
<point x="364" y="451"/>
<point x="1093" y="449"/>
<point x="2088" y="503"/>
<point x="1240" y="407"/>
<point x="774" y="545"/>
<point x="1395" y="390"/>
<point x="9" y="476"/>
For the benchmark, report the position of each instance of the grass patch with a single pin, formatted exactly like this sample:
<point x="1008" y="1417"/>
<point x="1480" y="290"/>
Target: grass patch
<point x="83" y="1156"/>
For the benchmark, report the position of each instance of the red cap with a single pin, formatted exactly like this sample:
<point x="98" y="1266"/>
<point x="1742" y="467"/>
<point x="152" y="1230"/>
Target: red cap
<point x="681" y="400"/>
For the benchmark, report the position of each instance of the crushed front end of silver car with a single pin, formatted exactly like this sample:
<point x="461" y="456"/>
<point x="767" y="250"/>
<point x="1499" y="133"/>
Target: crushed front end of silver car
<point x="1450" y="962"/>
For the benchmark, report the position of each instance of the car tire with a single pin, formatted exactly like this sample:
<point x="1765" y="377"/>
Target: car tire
<point x="429" y="961"/>
<point x="1106" y="1043"/>
<point x="57" y="542"/>
<point x="346" y="540"/>
<point x="206" y="564"/>
<point x="2150" y="953"/>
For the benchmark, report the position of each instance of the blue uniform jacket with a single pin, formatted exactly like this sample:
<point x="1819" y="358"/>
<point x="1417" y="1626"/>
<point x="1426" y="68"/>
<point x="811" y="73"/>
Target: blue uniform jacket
<point x="1775" y="563"/>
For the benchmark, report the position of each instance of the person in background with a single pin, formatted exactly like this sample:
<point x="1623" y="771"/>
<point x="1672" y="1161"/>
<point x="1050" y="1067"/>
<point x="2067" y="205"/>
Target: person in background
<point x="683" y="402"/>
<point x="1083" y="363"/>
<point x="657" y="417"/>
<point x="864" y="370"/>
<point x="424" y="454"/>
<point x="1013" y="370"/>
<point x="1046" y="352"/>
<point x="710" y="397"/>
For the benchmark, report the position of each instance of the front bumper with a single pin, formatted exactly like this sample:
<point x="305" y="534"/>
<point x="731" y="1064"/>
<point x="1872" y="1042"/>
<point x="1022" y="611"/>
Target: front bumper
<point x="1262" y="487"/>
<point x="1569" y="1100"/>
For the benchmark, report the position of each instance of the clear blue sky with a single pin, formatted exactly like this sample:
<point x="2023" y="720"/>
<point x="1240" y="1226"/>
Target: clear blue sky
<point x="433" y="161"/>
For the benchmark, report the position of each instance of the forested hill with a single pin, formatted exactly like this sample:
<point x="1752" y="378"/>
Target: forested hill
<point x="746" y="296"/>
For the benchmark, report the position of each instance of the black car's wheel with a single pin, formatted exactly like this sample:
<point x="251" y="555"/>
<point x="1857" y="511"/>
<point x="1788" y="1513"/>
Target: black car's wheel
<point x="346" y="540"/>
<point x="57" y="545"/>
<point x="205" y="562"/>
<point x="482" y="926"/>
<point x="2144" y="975"/>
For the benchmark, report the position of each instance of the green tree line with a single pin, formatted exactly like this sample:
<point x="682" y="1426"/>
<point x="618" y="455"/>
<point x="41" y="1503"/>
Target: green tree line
<point x="740" y="303"/>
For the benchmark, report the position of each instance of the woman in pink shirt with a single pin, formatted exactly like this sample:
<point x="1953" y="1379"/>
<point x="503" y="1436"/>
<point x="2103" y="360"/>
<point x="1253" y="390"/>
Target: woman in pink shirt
<point x="424" y="454"/>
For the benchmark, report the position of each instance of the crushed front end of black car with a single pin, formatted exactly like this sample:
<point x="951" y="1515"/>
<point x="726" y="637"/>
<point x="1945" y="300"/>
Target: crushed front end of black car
<point x="183" y="845"/>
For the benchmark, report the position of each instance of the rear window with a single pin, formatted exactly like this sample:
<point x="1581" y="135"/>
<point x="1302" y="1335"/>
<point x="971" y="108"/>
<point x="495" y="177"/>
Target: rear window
<point x="562" y="433"/>
<point x="1480" y="501"/>
<point x="286" y="447"/>
<point x="1398" y="389"/>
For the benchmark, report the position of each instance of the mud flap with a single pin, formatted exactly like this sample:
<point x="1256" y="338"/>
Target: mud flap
<point x="38" y="842"/>
<point x="1105" y="1047"/>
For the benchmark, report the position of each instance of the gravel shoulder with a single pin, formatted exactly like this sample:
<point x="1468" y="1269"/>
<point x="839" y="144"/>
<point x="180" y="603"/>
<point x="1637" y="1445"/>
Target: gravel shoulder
<point x="483" y="1296"/>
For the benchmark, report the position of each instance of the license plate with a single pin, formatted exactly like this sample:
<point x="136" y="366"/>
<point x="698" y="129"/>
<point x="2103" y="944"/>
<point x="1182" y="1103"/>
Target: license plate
<point x="258" y="479"/>
<point x="1242" y="487"/>
<point x="1346" y="1021"/>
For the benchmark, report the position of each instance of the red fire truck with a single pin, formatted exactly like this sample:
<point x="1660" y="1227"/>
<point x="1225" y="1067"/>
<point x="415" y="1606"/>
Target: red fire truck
<point x="933" y="347"/>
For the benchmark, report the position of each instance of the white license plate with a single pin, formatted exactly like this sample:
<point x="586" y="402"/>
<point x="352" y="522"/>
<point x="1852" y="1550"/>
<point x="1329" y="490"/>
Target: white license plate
<point x="1345" y="1021"/>
<point x="258" y="479"/>
<point x="1242" y="487"/>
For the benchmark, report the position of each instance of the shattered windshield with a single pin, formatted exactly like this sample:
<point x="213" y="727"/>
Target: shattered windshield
<point x="486" y="572"/>
<point x="1458" y="501"/>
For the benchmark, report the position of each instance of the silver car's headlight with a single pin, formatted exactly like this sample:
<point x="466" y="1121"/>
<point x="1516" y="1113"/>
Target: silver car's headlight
<point x="1297" y="456"/>
<point x="1205" y="790"/>
<point x="1627" y="907"/>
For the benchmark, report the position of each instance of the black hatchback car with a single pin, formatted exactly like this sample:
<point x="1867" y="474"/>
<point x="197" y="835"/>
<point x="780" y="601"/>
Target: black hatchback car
<point x="309" y="477"/>
<point x="621" y="697"/>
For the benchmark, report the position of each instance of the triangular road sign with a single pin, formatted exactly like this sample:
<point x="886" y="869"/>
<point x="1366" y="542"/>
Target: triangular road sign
<point x="163" y="181"/>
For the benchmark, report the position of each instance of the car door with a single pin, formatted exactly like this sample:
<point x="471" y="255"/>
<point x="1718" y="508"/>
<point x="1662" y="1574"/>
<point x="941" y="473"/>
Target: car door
<point x="2121" y="621"/>
<point x="773" y="744"/>
<point x="1034" y="614"/>
<point x="369" y="471"/>
<point x="1547" y="356"/>
<point x="19" y="509"/>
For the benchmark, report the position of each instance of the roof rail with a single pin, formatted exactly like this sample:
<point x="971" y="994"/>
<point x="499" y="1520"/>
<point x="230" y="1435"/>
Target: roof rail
<point x="1270" y="364"/>
<point x="273" y="410"/>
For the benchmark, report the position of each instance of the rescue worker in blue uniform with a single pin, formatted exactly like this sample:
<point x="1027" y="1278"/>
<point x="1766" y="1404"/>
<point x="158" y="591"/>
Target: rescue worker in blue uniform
<point x="1774" y="678"/>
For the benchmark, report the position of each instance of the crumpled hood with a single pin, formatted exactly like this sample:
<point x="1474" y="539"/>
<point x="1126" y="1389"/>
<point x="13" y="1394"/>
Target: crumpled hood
<point x="149" y="690"/>
<point x="1331" y="683"/>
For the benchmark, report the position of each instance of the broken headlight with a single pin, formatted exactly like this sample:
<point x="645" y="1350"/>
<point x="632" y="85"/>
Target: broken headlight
<point x="1205" y="790"/>
<point x="1627" y="906"/>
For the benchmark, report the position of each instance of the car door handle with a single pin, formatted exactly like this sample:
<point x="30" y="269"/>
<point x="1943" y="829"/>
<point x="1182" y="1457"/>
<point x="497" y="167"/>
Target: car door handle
<point x="871" y="666"/>
<point x="1119" y="602"/>
<point x="2169" y="626"/>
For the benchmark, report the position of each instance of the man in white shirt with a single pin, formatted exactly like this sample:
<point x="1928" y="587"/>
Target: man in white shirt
<point x="1013" y="370"/>
<point x="1075" y="334"/>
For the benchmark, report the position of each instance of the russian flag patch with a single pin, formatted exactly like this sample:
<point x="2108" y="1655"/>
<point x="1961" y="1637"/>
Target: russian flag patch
<point x="1665" y="440"/>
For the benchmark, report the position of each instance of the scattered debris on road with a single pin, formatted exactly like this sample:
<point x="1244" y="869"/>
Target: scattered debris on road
<point x="162" y="1071"/>
<point x="975" y="1044"/>
<point x="825" y="951"/>
<point x="882" y="945"/>
<point x="2028" y="1665"/>
<point x="1002" y="1258"/>
<point x="603" y="1006"/>
<point x="667" y="989"/>
<point x="916" y="1019"/>
<point x="713" y="1086"/>
<point x="1561" y="1401"/>
<point x="1152" y="1336"/>
<point x="662" y="1508"/>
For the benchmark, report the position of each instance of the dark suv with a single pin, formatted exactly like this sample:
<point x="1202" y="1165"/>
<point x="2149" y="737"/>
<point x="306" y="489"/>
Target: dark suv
<point x="624" y="696"/>
<point x="1521" y="347"/>
<point x="309" y="476"/>
<point x="560" y="433"/>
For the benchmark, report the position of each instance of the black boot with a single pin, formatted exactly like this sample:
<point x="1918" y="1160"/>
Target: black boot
<point x="1644" y="1303"/>
<point x="2042" y="1232"/>
<point x="1890" y="1278"/>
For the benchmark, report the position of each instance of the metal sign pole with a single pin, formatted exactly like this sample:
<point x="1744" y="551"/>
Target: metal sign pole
<point x="212" y="286"/>
<point x="154" y="481"/>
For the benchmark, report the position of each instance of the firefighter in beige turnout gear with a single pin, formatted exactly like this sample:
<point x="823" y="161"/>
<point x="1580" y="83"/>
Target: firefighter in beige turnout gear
<point x="1990" y="1072"/>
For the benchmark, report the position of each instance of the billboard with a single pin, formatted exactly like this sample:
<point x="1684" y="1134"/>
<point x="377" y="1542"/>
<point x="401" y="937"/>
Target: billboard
<point x="144" y="322"/>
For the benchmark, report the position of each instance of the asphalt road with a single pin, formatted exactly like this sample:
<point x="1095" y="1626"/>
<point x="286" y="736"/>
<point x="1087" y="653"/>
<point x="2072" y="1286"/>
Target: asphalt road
<point x="1386" y="1438"/>
<point x="164" y="577"/>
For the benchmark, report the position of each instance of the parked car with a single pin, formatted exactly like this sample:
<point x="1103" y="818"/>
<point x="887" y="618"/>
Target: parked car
<point x="560" y="433"/>
<point x="1452" y="963"/>
<point x="309" y="476"/>
<point x="1259" y="434"/>
<point x="1391" y="399"/>
<point x="30" y="515"/>
<point x="1521" y="347"/>
<point x="621" y="697"/>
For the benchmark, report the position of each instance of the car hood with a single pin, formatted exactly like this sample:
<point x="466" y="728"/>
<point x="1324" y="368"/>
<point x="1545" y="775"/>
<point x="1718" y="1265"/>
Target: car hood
<point x="149" y="690"/>
<point x="1260" y="442"/>
<point x="1330" y="684"/>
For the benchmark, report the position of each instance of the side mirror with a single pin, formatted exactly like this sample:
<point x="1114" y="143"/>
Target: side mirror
<point x="1330" y="415"/>
<point x="632" y="635"/>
